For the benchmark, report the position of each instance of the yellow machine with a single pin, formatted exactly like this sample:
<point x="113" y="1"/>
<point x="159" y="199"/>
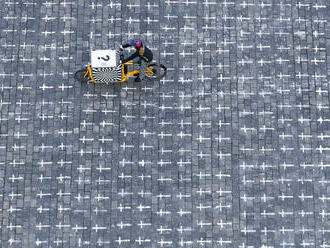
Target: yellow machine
<point x="103" y="73"/>
<point x="149" y="72"/>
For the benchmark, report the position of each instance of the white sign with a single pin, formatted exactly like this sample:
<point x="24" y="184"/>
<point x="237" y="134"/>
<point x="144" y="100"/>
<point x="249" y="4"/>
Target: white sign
<point x="103" y="58"/>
